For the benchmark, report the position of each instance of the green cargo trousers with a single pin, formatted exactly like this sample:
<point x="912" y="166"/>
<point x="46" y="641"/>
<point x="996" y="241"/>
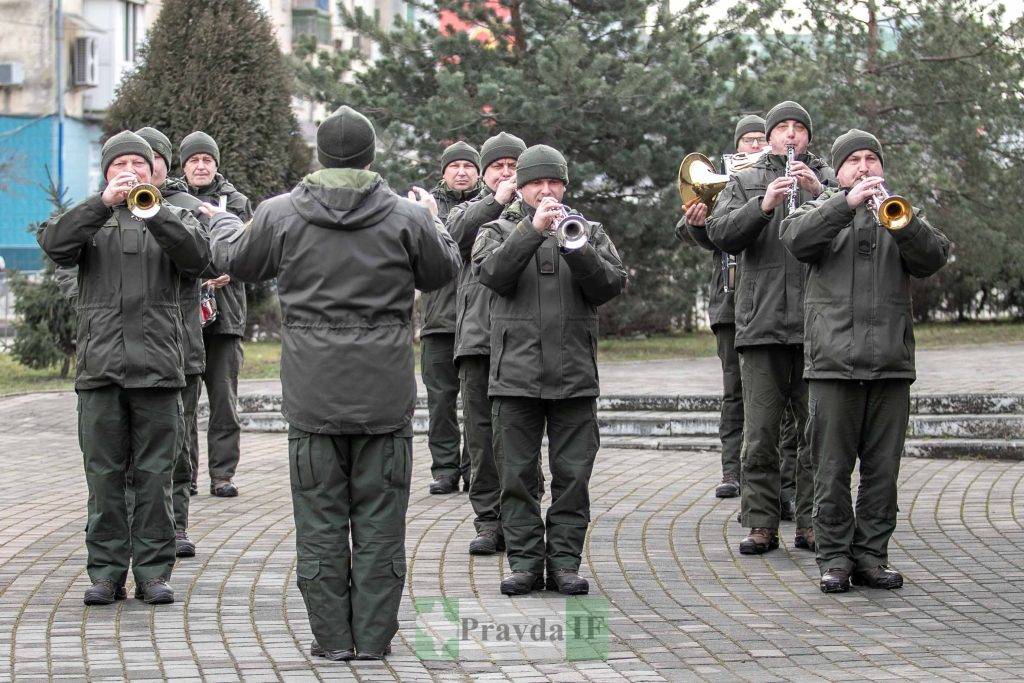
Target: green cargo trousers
<point x="224" y="356"/>
<point x="441" y="379"/>
<point x="787" y="451"/>
<point x="134" y="432"/>
<point x="485" y="482"/>
<point x="573" y="442"/>
<point x="850" y="419"/>
<point x="182" y="476"/>
<point x="351" y="488"/>
<point x="773" y="381"/>
<point x="730" y="426"/>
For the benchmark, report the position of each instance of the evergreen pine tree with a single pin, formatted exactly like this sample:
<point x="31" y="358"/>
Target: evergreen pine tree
<point x="215" y="65"/>
<point x="623" y="88"/>
<point x="44" y="330"/>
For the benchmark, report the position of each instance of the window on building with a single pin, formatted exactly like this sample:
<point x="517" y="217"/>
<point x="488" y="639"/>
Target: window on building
<point x="134" y="27"/>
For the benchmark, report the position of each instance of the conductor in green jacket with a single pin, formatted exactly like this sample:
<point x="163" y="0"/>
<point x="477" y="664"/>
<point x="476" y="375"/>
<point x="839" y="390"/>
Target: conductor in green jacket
<point x="859" y="356"/>
<point x="348" y="254"/>
<point x="130" y="368"/>
<point x="543" y="372"/>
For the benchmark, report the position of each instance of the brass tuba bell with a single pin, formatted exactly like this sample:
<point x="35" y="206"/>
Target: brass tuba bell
<point x="143" y="200"/>
<point x="698" y="181"/>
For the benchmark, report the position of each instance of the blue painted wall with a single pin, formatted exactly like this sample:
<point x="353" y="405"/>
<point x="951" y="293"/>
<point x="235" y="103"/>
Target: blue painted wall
<point x="27" y="150"/>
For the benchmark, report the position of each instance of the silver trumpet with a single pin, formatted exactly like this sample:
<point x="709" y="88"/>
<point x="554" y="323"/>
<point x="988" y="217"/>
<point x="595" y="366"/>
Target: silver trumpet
<point x="790" y="156"/>
<point x="571" y="230"/>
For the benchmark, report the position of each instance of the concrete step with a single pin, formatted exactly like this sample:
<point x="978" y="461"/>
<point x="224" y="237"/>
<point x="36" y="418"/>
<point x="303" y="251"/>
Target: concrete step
<point x="964" y="449"/>
<point x="926" y="434"/>
<point x="920" y="404"/>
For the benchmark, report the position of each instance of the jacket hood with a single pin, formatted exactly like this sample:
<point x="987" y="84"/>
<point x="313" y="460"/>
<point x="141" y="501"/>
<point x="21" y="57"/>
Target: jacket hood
<point x="343" y="198"/>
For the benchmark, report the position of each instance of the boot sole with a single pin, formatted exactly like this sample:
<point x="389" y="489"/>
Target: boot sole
<point x="757" y="549"/>
<point x="158" y="600"/>
<point x="804" y="545"/>
<point x="834" y="588"/>
<point x="868" y="584"/>
<point x="537" y="585"/>
<point x="185" y="552"/>
<point x="727" y="494"/>
<point x="552" y="586"/>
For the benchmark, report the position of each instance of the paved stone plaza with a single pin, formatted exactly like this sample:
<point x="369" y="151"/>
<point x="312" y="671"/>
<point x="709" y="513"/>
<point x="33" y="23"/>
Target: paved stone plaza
<point x="680" y="602"/>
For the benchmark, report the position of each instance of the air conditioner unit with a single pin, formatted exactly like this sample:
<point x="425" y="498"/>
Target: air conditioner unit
<point x="11" y="73"/>
<point x="85" y="63"/>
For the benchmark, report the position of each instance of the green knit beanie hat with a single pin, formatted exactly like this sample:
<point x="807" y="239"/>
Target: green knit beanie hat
<point x="198" y="143"/>
<point x="752" y="123"/>
<point x="786" y="111"/>
<point x="460" y="151"/>
<point x="500" y="146"/>
<point x="852" y="141"/>
<point x="346" y="139"/>
<point x="125" y="142"/>
<point x="158" y="141"/>
<point x="540" y="162"/>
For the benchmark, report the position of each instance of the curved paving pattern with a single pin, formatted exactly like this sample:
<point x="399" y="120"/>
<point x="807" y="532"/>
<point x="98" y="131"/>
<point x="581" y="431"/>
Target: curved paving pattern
<point x="683" y="604"/>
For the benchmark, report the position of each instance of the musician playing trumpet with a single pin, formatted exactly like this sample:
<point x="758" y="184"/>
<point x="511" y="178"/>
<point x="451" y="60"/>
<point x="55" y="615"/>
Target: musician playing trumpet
<point x="859" y="355"/>
<point x="769" y="303"/>
<point x="129" y="370"/>
<point x="543" y="370"/>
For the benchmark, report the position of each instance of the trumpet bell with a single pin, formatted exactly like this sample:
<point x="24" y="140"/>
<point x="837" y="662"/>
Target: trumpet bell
<point x="572" y="232"/>
<point x="143" y="200"/>
<point x="698" y="181"/>
<point x="895" y="212"/>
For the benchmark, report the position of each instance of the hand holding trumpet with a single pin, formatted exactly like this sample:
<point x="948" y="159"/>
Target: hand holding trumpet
<point x="116" y="191"/>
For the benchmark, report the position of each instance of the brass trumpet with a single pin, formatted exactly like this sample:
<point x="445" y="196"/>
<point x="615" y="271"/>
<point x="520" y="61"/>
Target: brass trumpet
<point x="892" y="211"/>
<point x="143" y="200"/>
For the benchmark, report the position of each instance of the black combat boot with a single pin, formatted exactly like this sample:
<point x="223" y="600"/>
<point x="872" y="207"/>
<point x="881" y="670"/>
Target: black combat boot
<point x="521" y="583"/>
<point x="567" y="582"/>
<point x="223" y="488"/>
<point x="445" y="485"/>
<point x="104" y="592"/>
<point x="729" y="488"/>
<point x="333" y="655"/>
<point x="804" y="539"/>
<point x="183" y="545"/>
<point x="835" y="580"/>
<point x="878" y="577"/>
<point x="155" y="592"/>
<point x="760" y="540"/>
<point x="487" y="542"/>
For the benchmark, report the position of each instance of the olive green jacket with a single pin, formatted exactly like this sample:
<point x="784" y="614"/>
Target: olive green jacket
<point x="231" y="304"/>
<point x="176" y="193"/>
<point x="348" y="254"/>
<point x="769" y="296"/>
<point x="544" y="318"/>
<point x="858" y="309"/>
<point x="720" y="302"/>
<point x="472" y="299"/>
<point x="438" y="307"/>
<point x="130" y="327"/>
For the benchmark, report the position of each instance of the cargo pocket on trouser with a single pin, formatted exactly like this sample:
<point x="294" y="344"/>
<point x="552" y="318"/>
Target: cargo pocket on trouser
<point x="300" y="460"/>
<point x="328" y="618"/>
